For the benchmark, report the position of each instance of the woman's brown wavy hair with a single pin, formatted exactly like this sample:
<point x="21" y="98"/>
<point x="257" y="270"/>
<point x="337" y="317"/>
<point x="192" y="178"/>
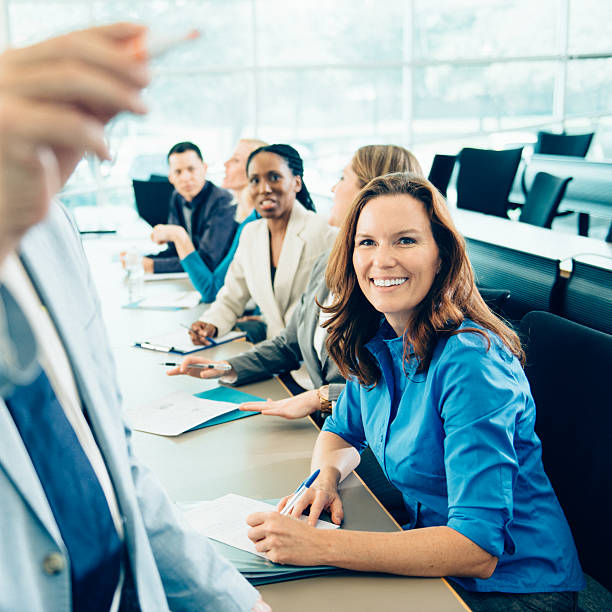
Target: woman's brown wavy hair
<point x="452" y="298"/>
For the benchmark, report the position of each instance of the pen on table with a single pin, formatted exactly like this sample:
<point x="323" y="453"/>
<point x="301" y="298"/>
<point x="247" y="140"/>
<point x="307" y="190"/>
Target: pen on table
<point x="299" y="492"/>
<point x="201" y="366"/>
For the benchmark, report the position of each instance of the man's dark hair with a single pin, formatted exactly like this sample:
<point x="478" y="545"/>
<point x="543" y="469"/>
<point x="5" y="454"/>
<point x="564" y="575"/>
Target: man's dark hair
<point x="182" y="147"/>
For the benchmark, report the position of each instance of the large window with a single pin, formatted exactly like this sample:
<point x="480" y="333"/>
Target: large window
<point x="330" y="75"/>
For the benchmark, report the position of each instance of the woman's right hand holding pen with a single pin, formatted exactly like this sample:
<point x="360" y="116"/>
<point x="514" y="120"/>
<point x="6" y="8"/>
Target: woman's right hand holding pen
<point x="197" y="372"/>
<point x="322" y="495"/>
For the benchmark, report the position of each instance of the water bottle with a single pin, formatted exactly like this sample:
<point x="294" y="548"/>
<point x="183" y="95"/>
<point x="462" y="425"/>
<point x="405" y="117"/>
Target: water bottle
<point x="135" y="275"/>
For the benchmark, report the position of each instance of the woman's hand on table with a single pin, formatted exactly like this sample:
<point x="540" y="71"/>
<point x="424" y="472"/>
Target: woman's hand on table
<point x="185" y="368"/>
<point x="285" y="540"/>
<point x="201" y="332"/>
<point x="295" y="407"/>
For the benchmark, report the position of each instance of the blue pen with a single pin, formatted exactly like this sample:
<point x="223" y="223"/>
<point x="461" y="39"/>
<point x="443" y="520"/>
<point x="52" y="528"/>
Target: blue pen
<point x="299" y="492"/>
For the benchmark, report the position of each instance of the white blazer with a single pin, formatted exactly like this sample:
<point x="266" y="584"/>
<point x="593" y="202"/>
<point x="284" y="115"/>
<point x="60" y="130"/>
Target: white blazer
<point x="307" y="236"/>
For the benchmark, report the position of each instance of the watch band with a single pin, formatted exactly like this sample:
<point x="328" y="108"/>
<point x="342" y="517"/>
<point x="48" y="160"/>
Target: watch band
<point x="325" y="404"/>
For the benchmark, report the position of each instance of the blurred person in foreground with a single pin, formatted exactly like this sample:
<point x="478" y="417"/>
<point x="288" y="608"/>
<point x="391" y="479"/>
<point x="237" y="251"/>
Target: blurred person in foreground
<point x="85" y="527"/>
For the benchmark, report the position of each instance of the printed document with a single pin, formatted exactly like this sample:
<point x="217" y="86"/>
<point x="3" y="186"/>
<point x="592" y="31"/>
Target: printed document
<point x="224" y="519"/>
<point x="177" y="413"/>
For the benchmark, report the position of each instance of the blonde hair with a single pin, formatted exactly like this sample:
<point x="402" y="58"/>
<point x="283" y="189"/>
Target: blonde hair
<point x="376" y="160"/>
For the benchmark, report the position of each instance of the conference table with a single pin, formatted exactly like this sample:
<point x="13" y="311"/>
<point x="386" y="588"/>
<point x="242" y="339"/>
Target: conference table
<point x="259" y="457"/>
<point x="532" y="239"/>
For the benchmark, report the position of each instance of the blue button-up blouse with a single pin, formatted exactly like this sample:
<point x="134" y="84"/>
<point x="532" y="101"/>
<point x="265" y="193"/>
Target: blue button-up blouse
<point x="458" y="441"/>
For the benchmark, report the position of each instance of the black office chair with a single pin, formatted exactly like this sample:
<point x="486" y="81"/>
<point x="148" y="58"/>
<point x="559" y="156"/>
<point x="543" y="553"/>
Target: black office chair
<point x="588" y="296"/>
<point x="575" y="145"/>
<point x="543" y="199"/>
<point x="495" y="299"/>
<point x="532" y="280"/>
<point x="568" y="367"/>
<point x="441" y="171"/>
<point x="485" y="179"/>
<point x="153" y="200"/>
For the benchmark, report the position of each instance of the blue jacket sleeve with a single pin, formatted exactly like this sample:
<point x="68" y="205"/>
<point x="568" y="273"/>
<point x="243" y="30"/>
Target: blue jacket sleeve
<point x="345" y="421"/>
<point x="481" y="400"/>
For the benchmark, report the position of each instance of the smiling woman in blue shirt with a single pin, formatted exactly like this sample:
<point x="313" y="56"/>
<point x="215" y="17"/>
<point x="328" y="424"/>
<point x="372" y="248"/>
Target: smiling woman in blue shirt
<point x="437" y="390"/>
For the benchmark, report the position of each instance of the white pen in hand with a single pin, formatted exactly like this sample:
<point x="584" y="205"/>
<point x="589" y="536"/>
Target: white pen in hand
<point x="299" y="492"/>
<point x="200" y="366"/>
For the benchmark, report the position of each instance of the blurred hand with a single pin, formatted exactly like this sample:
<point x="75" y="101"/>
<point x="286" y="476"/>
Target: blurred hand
<point x="261" y="606"/>
<point x="199" y="372"/>
<point x="55" y="98"/>
<point x="168" y="233"/>
<point x="200" y="332"/>
<point x="285" y="540"/>
<point x="147" y="265"/>
<point x="295" y="407"/>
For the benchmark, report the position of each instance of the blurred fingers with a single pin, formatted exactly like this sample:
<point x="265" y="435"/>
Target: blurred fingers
<point x="51" y="125"/>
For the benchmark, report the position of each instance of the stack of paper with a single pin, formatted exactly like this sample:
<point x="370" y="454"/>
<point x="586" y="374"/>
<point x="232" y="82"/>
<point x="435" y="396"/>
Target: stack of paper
<point x="224" y="521"/>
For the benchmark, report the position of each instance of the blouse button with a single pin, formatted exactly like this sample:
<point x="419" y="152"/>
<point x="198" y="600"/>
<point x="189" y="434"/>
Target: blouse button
<point x="54" y="563"/>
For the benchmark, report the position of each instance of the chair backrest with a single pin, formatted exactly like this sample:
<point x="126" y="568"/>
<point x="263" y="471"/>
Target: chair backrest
<point x="575" y="145"/>
<point x="485" y="178"/>
<point x="153" y="200"/>
<point x="441" y="171"/>
<point x="495" y="299"/>
<point x="588" y="296"/>
<point x="568" y="367"/>
<point x="543" y="199"/>
<point x="530" y="279"/>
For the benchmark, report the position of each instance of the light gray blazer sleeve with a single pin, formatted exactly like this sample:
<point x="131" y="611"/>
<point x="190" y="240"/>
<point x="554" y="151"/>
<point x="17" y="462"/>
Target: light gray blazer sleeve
<point x="294" y="344"/>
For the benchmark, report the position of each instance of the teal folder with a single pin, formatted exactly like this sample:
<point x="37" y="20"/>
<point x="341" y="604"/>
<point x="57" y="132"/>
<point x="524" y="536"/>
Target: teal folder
<point x="227" y="394"/>
<point x="258" y="570"/>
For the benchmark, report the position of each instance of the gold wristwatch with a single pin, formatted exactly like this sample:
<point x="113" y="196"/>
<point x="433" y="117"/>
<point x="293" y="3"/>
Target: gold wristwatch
<point x="325" y="404"/>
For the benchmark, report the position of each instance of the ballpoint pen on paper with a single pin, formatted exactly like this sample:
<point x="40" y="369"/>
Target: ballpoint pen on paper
<point x="299" y="492"/>
<point x="201" y="366"/>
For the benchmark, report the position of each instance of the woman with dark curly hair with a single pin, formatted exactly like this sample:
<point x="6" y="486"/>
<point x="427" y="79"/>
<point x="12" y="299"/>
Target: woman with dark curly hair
<point x="437" y="391"/>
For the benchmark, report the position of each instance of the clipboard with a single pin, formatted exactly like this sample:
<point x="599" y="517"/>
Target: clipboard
<point x="178" y="342"/>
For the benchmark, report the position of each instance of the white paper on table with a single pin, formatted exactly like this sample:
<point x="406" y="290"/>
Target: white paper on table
<point x="224" y="519"/>
<point x="165" y="276"/>
<point x="181" y="299"/>
<point x="176" y="413"/>
<point x="180" y="342"/>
